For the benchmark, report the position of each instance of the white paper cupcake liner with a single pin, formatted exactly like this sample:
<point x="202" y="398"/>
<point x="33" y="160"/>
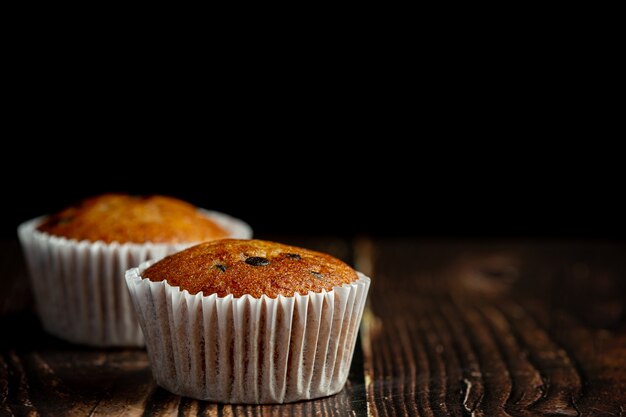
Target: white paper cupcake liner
<point x="248" y="350"/>
<point x="79" y="286"/>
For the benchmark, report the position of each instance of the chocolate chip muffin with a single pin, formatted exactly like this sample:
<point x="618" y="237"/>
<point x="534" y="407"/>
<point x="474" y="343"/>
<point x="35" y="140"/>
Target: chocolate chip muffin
<point x="249" y="321"/>
<point x="77" y="259"/>
<point x="253" y="267"/>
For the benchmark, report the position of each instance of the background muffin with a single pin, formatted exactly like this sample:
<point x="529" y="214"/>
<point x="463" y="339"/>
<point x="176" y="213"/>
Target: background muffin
<point x="124" y="218"/>
<point x="249" y="321"/>
<point x="77" y="259"/>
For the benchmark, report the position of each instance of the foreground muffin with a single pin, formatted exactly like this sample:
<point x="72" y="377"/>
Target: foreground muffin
<point x="249" y="321"/>
<point x="77" y="259"/>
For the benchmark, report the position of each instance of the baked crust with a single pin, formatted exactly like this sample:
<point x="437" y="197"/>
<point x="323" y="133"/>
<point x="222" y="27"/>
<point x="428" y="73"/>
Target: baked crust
<point x="253" y="267"/>
<point x="124" y="218"/>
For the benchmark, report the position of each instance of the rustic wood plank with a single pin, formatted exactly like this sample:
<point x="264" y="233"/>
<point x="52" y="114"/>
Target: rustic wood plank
<point x="527" y="384"/>
<point x="504" y="329"/>
<point x="4" y="388"/>
<point x="18" y="395"/>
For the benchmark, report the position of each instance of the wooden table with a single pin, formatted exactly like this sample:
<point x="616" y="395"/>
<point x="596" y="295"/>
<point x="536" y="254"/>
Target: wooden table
<point x="494" y="328"/>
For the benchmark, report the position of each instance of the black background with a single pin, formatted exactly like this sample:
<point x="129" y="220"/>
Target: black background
<point x="315" y="186"/>
<point x="458" y="145"/>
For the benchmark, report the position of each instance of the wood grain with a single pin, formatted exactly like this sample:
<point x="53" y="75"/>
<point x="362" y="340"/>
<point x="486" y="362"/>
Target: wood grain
<point x="508" y="328"/>
<point x="504" y="329"/>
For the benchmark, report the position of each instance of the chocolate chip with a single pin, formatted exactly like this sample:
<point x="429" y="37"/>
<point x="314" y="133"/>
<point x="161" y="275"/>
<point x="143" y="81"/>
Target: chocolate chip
<point x="257" y="261"/>
<point x="293" y="256"/>
<point x="317" y="275"/>
<point x="220" y="267"/>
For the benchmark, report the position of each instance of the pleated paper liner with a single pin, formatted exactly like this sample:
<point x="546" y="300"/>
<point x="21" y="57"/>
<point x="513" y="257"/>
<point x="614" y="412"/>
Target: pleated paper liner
<point x="79" y="286"/>
<point x="248" y="350"/>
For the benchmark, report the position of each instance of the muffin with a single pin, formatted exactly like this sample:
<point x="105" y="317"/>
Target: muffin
<point x="77" y="259"/>
<point x="249" y="321"/>
<point x="133" y="219"/>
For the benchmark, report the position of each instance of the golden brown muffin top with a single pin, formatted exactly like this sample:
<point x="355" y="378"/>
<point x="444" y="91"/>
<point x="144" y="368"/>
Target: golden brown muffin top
<point x="124" y="218"/>
<point x="253" y="267"/>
